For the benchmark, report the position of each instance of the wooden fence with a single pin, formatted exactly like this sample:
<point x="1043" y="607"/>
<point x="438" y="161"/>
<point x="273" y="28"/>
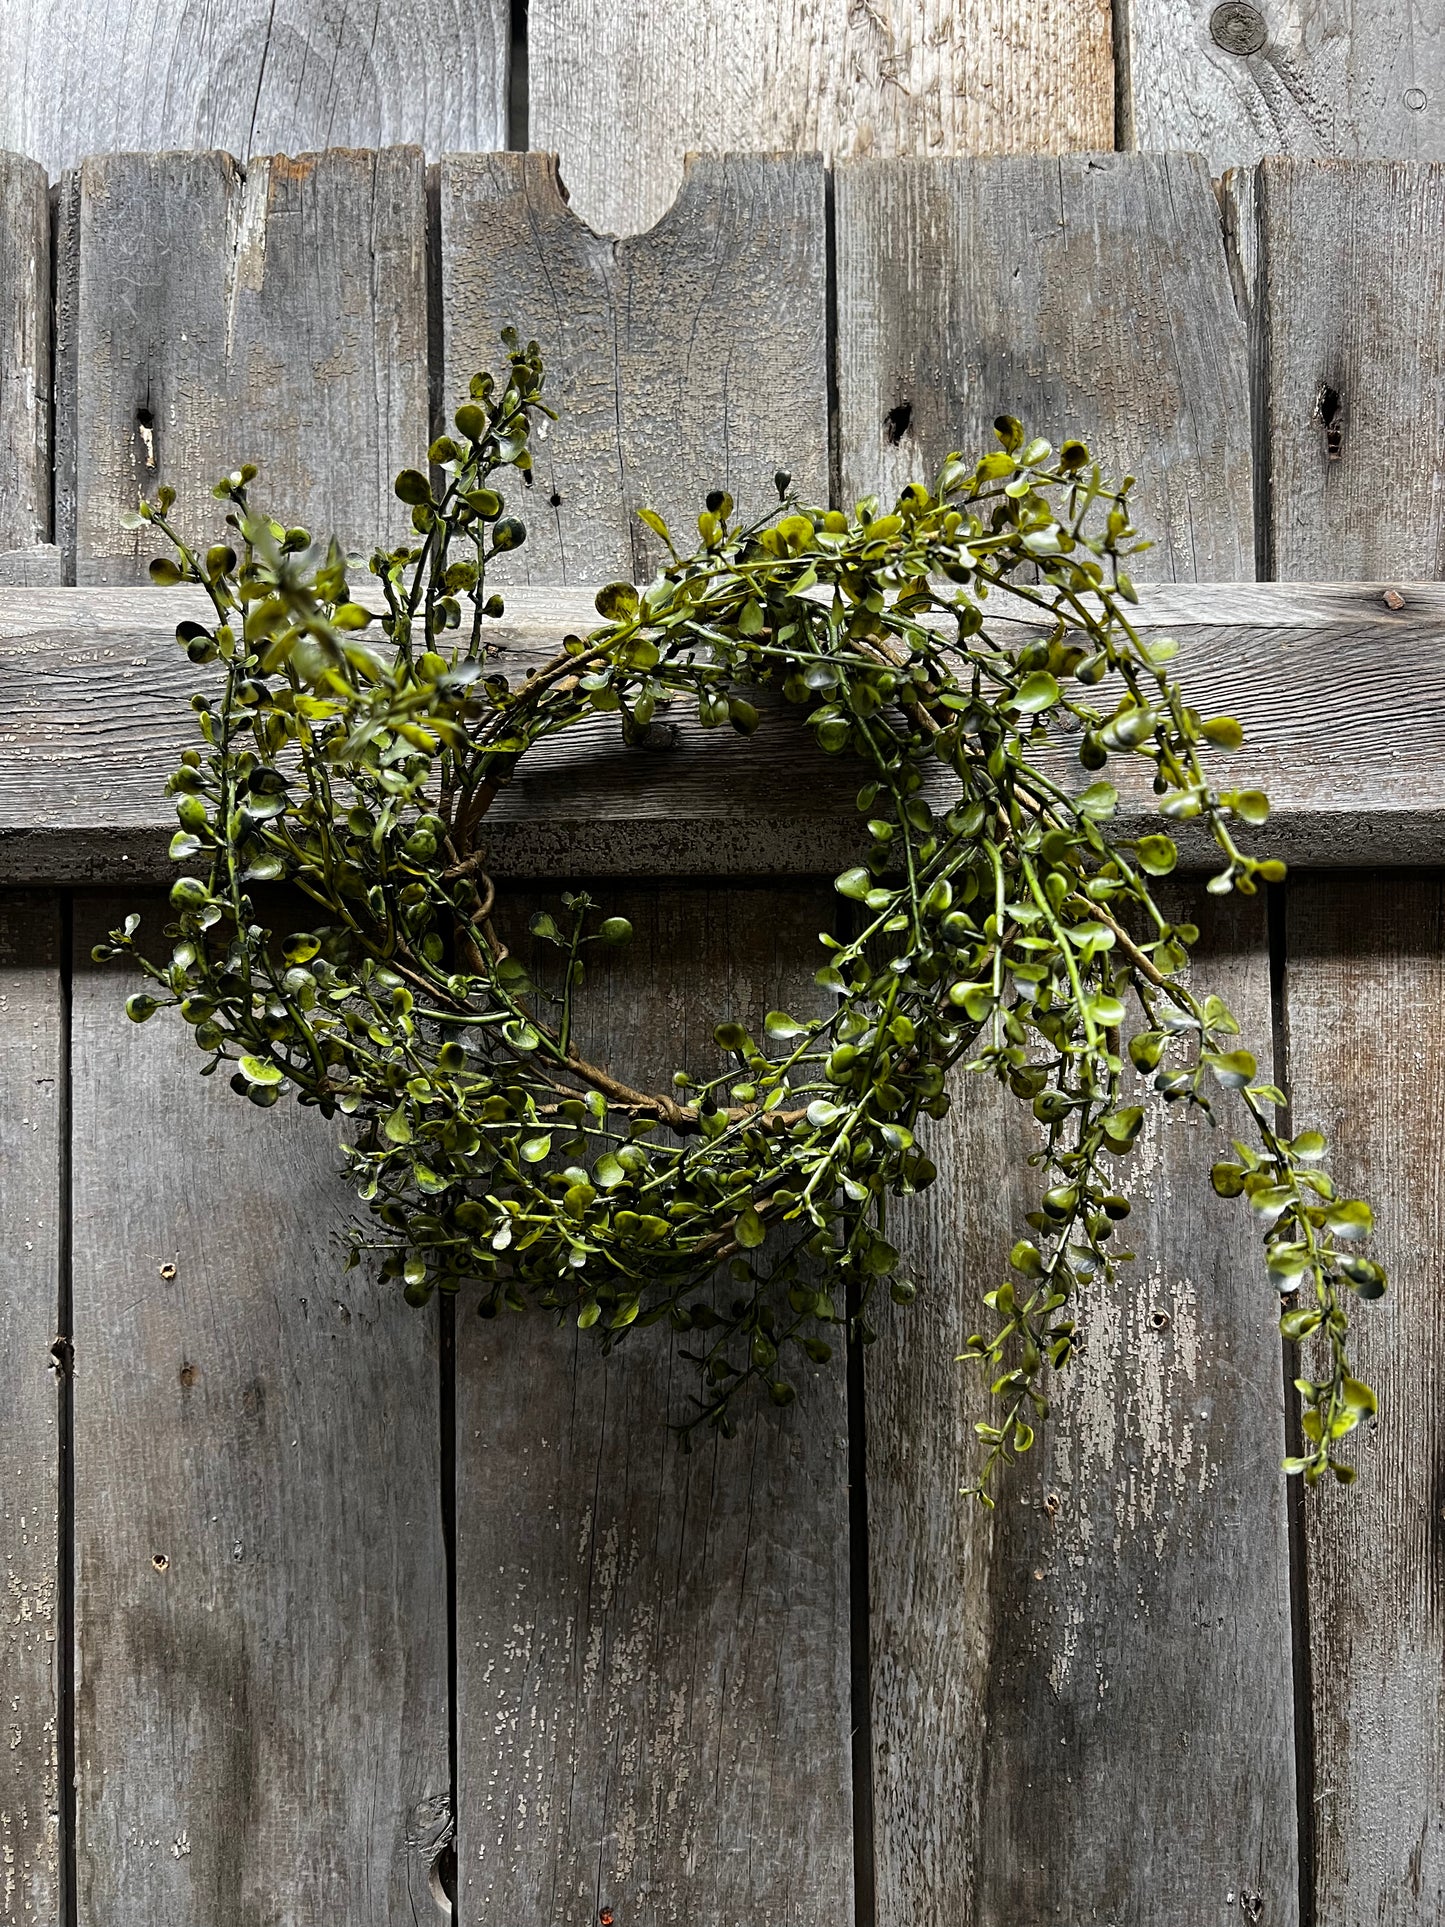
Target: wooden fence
<point x="295" y="1579"/>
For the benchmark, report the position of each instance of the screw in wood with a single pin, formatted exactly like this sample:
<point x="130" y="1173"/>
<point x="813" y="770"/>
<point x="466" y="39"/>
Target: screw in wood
<point x="1238" y="27"/>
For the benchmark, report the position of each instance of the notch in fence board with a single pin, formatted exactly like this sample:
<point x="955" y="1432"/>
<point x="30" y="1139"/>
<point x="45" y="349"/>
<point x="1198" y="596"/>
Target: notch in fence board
<point x="623" y="89"/>
<point x="690" y="358"/>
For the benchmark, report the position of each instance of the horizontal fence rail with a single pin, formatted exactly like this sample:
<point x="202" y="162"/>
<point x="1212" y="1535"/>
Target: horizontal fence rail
<point x="344" y="1606"/>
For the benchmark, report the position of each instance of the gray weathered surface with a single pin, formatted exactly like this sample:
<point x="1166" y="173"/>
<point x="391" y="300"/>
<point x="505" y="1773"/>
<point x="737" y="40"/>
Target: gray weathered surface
<point x="261" y="1588"/>
<point x="1339" y="694"/>
<point x="1083" y="1707"/>
<point x="31" y="1116"/>
<point x="1362" y="80"/>
<point x="1087" y="295"/>
<point x="1365" y="984"/>
<point x="691" y="358"/>
<point x="622" y="89"/>
<point x="26" y="554"/>
<point x="275" y="315"/>
<point x="653" y="1701"/>
<point x="1350" y="353"/>
<point x="119" y="75"/>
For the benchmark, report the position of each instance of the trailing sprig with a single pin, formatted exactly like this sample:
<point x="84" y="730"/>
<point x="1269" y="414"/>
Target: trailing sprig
<point x="1000" y="924"/>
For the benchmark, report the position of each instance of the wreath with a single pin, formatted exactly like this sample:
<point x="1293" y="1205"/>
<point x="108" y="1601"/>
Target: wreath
<point x="1006" y="930"/>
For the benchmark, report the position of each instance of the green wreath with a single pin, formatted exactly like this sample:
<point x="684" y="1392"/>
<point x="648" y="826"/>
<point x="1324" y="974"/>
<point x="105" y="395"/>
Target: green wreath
<point x="1008" y="930"/>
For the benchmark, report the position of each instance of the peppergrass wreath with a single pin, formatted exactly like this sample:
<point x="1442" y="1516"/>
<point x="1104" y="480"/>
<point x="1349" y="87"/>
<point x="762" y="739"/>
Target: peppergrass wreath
<point x="1002" y="928"/>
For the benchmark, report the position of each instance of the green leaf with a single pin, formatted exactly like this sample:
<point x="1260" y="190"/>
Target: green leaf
<point x="1037" y="691"/>
<point x="1351" y="1218"/>
<point x="534" y="1149"/>
<point x="749" y="1229"/>
<point x="1234" y="1069"/>
<point x="1157" y="855"/>
<point x="1099" y="801"/>
<point x="617" y="602"/>
<point x="783" y="1027"/>
<point x="260" y="1070"/>
<point x="1223" y="731"/>
<point x="854" y="884"/>
<point x="397" y="1127"/>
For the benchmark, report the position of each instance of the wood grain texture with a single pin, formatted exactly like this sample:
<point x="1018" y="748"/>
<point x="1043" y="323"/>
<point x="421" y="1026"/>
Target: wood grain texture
<point x="1365" y="980"/>
<point x="24" y="355"/>
<point x="1348" y="292"/>
<point x="1363" y="80"/>
<point x="691" y="358"/>
<point x="32" y="1021"/>
<point x="1082" y="1706"/>
<point x="261" y="1590"/>
<point x="1087" y="295"/>
<point x="653" y="1699"/>
<point x="1339" y="695"/>
<point x="264" y="76"/>
<point x="275" y="315"/>
<point x="623" y="90"/>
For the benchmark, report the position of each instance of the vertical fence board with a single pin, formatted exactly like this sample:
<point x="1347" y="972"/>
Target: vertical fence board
<point x="122" y="75"/>
<point x="1086" y="295"/>
<point x="31" y="1097"/>
<point x="276" y="314"/>
<point x="691" y="358"/>
<point x="261" y="1607"/>
<point x="1311" y="77"/>
<point x="1350" y="352"/>
<point x="1114" y="1639"/>
<point x="1117" y="1637"/>
<point x="1365" y="984"/>
<point x="26" y="554"/>
<point x="624" y="88"/>
<point x="653" y="1700"/>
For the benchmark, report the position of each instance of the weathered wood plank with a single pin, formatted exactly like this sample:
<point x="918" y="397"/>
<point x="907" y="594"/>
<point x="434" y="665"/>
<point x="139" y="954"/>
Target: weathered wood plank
<point x="1115" y="1638"/>
<point x="1087" y="295"/>
<point x="261" y="1592"/>
<point x="653" y="1699"/>
<point x="24" y="368"/>
<point x="1345" y="270"/>
<point x="1339" y="694"/>
<point x="1095" y="1649"/>
<point x="1365" y="980"/>
<point x="690" y="358"/>
<point x="127" y="75"/>
<point x="32" y="1021"/>
<point x="1238" y="82"/>
<point x="276" y="314"/>
<point x="623" y="91"/>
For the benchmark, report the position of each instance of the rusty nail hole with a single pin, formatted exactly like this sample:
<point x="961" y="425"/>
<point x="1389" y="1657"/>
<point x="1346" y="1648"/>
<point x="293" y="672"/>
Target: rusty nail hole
<point x="554" y="500"/>
<point x="1159" y="1321"/>
<point x="188" y="1374"/>
<point x="168" y="1272"/>
<point x="605" y="1917"/>
<point x="1053" y="1504"/>
<point x="897" y="422"/>
<point x="1393" y="599"/>
<point x="159" y="1561"/>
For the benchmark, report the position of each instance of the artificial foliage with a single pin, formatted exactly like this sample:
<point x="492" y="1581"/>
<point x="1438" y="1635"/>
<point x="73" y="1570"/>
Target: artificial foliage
<point x="1000" y="926"/>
